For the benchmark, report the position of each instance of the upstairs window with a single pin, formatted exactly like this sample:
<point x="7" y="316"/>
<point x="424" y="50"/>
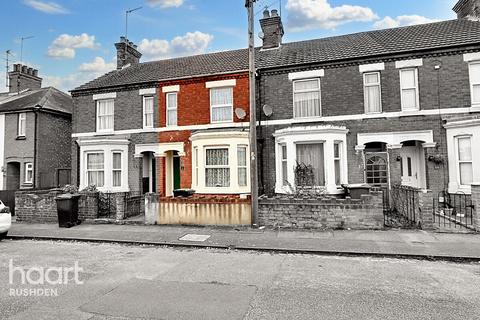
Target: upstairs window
<point x="409" y="88"/>
<point x="306" y="98"/>
<point x="148" y="112"/>
<point x="22" y="124"/>
<point x="105" y="115"/>
<point x="221" y="104"/>
<point x="465" y="163"/>
<point x="172" y="109"/>
<point x="475" y="82"/>
<point x="372" y="92"/>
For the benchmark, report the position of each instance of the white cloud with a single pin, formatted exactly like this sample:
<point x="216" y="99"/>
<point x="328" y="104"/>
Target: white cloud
<point x="85" y="72"/>
<point x="63" y="47"/>
<point x="309" y="14"/>
<point x="165" y="3"/>
<point x="47" y="7"/>
<point x="400" y="21"/>
<point x="191" y="43"/>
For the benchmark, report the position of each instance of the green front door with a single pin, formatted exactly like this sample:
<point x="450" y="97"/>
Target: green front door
<point x="176" y="173"/>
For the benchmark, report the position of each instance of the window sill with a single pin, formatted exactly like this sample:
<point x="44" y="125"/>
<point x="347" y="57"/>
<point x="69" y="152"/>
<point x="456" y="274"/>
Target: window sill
<point x="220" y="122"/>
<point x="475" y="108"/>
<point x="21" y="138"/>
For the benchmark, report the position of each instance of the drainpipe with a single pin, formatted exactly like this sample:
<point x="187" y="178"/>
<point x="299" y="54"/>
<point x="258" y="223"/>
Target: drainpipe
<point x="36" y="109"/>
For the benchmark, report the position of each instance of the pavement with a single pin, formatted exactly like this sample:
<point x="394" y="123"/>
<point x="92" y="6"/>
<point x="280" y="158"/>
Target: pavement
<point x="410" y="244"/>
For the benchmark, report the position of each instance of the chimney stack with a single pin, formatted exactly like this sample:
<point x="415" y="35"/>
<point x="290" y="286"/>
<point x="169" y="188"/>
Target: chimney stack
<point x="468" y="9"/>
<point x="272" y="28"/>
<point x="23" y="77"/>
<point x="127" y="53"/>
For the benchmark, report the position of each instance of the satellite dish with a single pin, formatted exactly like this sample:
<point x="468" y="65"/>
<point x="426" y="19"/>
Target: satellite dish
<point x="240" y="113"/>
<point x="261" y="35"/>
<point x="267" y="110"/>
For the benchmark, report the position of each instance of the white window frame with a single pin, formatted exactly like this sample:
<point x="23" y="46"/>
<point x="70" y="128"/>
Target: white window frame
<point x="28" y="169"/>
<point x="416" y="87"/>
<point x="145" y="115"/>
<point x="340" y="161"/>
<point x="245" y="167"/>
<point x="169" y="108"/>
<point x="365" y="86"/>
<point x="473" y="84"/>
<point x="114" y="170"/>
<point x="230" y="140"/>
<point x="212" y="106"/>
<point x="305" y="91"/>
<point x="458" y="161"/>
<point x="22" y="124"/>
<point x="227" y="166"/>
<point x="97" y="103"/>
<point x="283" y="162"/>
<point x="94" y="170"/>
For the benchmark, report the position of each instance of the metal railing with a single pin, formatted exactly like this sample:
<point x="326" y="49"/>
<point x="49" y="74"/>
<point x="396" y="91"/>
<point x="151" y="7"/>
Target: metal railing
<point x="453" y="210"/>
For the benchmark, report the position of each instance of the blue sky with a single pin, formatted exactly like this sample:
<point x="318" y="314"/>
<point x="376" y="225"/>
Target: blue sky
<point x="73" y="39"/>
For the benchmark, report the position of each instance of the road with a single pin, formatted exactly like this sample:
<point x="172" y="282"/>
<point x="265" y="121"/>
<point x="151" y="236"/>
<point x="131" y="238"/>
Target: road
<point x="132" y="282"/>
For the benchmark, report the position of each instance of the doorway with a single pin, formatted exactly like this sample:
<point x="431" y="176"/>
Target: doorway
<point x="172" y="168"/>
<point x="149" y="181"/>
<point x="13" y="176"/>
<point x="412" y="164"/>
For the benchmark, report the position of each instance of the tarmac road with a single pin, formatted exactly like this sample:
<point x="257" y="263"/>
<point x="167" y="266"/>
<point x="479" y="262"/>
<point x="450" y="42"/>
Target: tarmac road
<point x="135" y="282"/>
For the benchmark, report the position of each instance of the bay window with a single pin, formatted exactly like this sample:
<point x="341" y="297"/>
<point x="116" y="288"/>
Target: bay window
<point x="217" y="170"/>
<point x="409" y="89"/>
<point x="172" y="109"/>
<point x="306" y="98"/>
<point x="283" y="152"/>
<point x="474" y="68"/>
<point x="221" y="104"/>
<point x="465" y="163"/>
<point x="372" y="92"/>
<point x="117" y="169"/>
<point x="242" y="165"/>
<point x="105" y="115"/>
<point x="148" y="107"/>
<point x="311" y="157"/>
<point x="95" y="169"/>
<point x="337" y="160"/>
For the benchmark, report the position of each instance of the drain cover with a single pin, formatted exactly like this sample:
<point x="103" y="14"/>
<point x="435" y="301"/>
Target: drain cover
<point x="194" y="237"/>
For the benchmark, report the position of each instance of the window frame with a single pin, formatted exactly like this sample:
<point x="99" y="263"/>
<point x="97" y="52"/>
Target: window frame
<point x="340" y="161"/>
<point x="168" y="108"/>
<point x="472" y="83"/>
<point x="195" y="164"/>
<point x="459" y="162"/>
<point x="416" y="87"/>
<point x="97" y="105"/>
<point x="94" y="170"/>
<point x="212" y="106"/>
<point x="284" y="162"/>
<point x="22" y="119"/>
<point x="365" y="86"/>
<point x="227" y="166"/>
<point x="305" y="91"/>
<point x="114" y="170"/>
<point x="323" y="143"/>
<point x="145" y="125"/>
<point x="28" y="168"/>
<point x="244" y="167"/>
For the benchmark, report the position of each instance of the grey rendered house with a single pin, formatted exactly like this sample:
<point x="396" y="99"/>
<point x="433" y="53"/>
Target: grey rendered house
<point x="35" y="125"/>
<point x="386" y="107"/>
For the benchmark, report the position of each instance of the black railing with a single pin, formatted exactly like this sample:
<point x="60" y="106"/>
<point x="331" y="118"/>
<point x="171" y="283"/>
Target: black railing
<point x="453" y="210"/>
<point x="400" y="205"/>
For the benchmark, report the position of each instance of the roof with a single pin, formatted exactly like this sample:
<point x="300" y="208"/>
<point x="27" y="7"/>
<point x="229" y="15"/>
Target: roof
<point x="48" y="98"/>
<point x="388" y="42"/>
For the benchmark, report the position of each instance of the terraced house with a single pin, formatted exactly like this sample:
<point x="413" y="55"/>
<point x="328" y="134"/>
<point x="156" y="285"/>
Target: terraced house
<point x="386" y="107"/>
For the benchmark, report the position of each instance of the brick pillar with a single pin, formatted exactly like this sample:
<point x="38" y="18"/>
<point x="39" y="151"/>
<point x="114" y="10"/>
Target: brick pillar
<point x="161" y="176"/>
<point x="395" y="170"/>
<point x="120" y="205"/>
<point x="425" y="209"/>
<point x="476" y="205"/>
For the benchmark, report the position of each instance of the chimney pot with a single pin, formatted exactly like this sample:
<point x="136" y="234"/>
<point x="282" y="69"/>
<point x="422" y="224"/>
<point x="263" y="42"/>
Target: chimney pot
<point x="274" y="13"/>
<point x="17" y="67"/>
<point x="266" y="13"/>
<point x="35" y="72"/>
<point x="24" y="69"/>
<point x="30" y="71"/>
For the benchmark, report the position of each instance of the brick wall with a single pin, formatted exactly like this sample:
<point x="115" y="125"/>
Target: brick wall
<point x="326" y="213"/>
<point x="40" y="206"/>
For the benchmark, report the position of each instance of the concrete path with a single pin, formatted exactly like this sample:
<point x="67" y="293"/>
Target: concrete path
<point x="398" y="243"/>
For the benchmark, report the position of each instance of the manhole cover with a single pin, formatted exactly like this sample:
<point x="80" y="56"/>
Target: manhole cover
<point x="194" y="237"/>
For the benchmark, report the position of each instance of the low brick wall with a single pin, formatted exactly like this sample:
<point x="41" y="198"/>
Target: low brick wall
<point x="40" y="206"/>
<point x="221" y="211"/>
<point x="322" y="213"/>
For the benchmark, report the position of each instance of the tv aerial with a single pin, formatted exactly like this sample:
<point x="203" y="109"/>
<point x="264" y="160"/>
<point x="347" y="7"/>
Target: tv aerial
<point x="267" y="110"/>
<point x="240" y="113"/>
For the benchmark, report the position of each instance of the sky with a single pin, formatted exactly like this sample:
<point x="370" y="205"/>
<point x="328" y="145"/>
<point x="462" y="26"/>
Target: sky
<point x="73" y="40"/>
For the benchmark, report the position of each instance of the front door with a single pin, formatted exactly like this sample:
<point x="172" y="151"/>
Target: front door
<point x="176" y="172"/>
<point x="411" y="167"/>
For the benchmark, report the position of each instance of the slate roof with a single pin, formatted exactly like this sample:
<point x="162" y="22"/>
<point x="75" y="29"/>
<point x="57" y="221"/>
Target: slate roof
<point x="48" y="98"/>
<point x="439" y="35"/>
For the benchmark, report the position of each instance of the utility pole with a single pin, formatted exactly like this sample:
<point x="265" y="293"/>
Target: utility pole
<point x="126" y="19"/>
<point x="253" y="113"/>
